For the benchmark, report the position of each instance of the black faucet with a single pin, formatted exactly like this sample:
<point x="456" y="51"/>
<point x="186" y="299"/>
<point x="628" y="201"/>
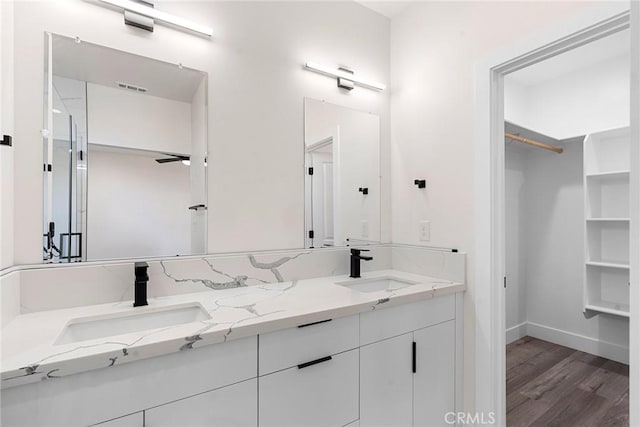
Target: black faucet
<point x="355" y="261"/>
<point x="140" y="290"/>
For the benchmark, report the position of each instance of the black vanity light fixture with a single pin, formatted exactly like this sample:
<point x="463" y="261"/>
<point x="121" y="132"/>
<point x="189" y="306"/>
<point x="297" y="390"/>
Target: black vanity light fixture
<point x="141" y="14"/>
<point x="347" y="78"/>
<point x="363" y="190"/>
<point x="421" y="183"/>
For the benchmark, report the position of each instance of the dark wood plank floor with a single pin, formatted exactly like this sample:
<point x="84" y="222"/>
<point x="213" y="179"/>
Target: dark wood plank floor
<point x="551" y="385"/>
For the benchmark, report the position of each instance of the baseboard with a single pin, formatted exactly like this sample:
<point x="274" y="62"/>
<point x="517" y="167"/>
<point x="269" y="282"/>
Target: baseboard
<point x="589" y="345"/>
<point x="516" y="332"/>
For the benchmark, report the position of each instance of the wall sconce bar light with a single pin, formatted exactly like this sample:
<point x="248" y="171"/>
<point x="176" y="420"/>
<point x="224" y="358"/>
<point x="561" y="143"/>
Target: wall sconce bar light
<point x="344" y="76"/>
<point x="150" y="12"/>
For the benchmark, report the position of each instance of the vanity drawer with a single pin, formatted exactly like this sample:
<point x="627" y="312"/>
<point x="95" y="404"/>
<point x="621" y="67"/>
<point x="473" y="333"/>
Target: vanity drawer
<point x="393" y="321"/>
<point x="321" y="394"/>
<point x="290" y="347"/>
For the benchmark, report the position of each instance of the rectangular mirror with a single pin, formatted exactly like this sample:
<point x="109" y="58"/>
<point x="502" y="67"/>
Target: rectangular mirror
<point x="342" y="169"/>
<point x="125" y="149"/>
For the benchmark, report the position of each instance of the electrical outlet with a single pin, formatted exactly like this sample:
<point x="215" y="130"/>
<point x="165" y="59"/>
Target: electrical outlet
<point x="365" y="228"/>
<point x="424" y="231"/>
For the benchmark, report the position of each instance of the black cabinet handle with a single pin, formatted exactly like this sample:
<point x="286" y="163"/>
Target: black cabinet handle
<point x="314" y="362"/>
<point x="314" y="323"/>
<point x="413" y="356"/>
<point x="196" y="207"/>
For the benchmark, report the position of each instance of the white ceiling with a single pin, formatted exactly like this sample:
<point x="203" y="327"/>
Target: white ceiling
<point x="593" y="53"/>
<point x="386" y="8"/>
<point x="104" y="66"/>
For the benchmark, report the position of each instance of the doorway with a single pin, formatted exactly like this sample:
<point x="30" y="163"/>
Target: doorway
<point x="490" y="251"/>
<point x="567" y="150"/>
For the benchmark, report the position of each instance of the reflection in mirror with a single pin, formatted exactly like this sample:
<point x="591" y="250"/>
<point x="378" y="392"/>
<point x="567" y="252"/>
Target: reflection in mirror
<point x="342" y="166"/>
<point x="125" y="155"/>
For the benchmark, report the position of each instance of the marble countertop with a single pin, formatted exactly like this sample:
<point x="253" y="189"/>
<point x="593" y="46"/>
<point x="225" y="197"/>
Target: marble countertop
<point x="30" y="353"/>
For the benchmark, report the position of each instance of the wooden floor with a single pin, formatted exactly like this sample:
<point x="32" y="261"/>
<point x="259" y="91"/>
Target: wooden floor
<point x="551" y="385"/>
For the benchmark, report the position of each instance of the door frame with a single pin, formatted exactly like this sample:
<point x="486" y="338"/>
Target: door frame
<point x="489" y="253"/>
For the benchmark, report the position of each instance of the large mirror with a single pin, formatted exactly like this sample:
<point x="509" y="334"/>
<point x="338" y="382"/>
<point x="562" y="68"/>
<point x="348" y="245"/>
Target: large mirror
<point x="125" y="155"/>
<point x="342" y="169"/>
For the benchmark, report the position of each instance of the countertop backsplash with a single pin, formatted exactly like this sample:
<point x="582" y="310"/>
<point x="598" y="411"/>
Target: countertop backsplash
<point x="28" y="289"/>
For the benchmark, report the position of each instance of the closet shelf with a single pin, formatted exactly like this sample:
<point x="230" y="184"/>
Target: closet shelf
<point x="608" y="219"/>
<point x="609" y="308"/>
<point x="608" y="264"/>
<point x="608" y="174"/>
<point x="606" y="210"/>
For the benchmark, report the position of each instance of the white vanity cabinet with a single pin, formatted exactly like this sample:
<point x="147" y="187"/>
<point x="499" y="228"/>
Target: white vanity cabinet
<point x="391" y="366"/>
<point x="309" y="374"/>
<point x="234" y="405"/>
<point x="324" y="393"/>
<point x="107" y="394"/>
<point x="386" y="380"/>
<point x="133" y="420"/>
<point x="433" y="381"/>
<point x="408" y="379"/>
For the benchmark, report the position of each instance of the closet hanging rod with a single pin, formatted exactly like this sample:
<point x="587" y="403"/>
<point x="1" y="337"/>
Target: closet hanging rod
<point x="534" y="143"/>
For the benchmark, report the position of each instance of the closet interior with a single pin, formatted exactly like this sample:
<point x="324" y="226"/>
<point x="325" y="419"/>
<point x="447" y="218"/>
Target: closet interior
<point x="567" y="148"/>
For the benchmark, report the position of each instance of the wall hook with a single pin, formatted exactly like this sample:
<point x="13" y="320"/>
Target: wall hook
<point x="363" y="190"/>
<point x="6" y="140"/>
<point x="421" y="183"/>
<point x="197" y="207"/>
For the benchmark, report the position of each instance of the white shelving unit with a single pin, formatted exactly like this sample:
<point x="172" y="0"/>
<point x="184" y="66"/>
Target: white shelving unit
<point x="606" y="211"/>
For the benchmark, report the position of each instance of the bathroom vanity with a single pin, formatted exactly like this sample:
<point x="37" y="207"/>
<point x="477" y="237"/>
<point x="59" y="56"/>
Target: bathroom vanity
<point x="229" y="337"/>
<point x="384" y="349"/>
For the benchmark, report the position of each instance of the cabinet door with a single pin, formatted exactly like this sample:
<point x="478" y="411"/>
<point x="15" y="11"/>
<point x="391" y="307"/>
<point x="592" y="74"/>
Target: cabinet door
<point x="234" y="405"/>
<point x="386" y="379"/>
<point x="133" y="420"/>
<point x="320" y="394"/>
<point x="434" y="380"/>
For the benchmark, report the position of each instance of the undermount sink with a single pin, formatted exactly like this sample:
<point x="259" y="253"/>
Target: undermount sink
<point x="374" y="284"/>
<point x="134" y="320"/>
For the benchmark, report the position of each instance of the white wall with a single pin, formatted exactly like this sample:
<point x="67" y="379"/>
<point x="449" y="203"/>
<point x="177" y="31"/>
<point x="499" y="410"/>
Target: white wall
<point x="356" y="151"/>
<point x="515" y="225"/>
<point x="256" y="88"/>
<point x="516" y="102"/>
<point x="123" y="118"/>
<point x="70" y="98"/>
<point x="6" y="128"/>
<point x="198" y="170"/>
<point x="434" y="48"/>
<point x="136" y="207"/>
<point x="358" y="166"/>
<point x="9" y="297"/>
<point x="589" y="100"/>
<point x="60" y="187"/>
